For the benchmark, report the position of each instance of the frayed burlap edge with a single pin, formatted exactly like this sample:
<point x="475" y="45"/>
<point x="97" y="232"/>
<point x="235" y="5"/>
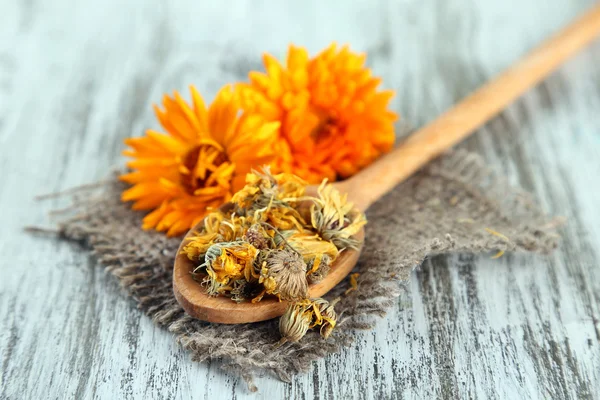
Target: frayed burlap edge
<point x="456" y="204"/>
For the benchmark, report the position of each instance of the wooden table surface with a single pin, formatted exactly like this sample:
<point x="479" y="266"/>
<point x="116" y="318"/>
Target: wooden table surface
<point x="77" y="77"/>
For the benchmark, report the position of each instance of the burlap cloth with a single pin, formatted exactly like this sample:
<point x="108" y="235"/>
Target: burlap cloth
<point x="456" y="204"/>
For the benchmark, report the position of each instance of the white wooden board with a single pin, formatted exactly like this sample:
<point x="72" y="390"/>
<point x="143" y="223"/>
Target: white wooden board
<point x="76" y="77"/>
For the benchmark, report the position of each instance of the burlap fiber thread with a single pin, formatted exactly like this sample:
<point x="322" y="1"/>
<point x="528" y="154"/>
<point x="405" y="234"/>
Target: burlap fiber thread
<point x="444" y="208"/>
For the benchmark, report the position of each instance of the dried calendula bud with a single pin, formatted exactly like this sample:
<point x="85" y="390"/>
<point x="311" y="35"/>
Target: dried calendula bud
<point x="296" y="320"/>
<point x="301" y="316"/>
<point x="217" y="227"/>
<point x="284" y="274"/>
<point x="325" y="316"/>
<point x="257" y="237"/>
<point x="335" y="218"/>
<point x="283" y="217"/>
<point x="264" y="189"/>
<point x="226" y="263"/>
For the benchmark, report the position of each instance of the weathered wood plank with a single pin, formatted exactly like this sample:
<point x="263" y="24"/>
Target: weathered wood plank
<point x="78" y="77"/>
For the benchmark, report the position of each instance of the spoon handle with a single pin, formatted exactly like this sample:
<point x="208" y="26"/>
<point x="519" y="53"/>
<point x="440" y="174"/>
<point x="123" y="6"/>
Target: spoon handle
<point x="472" y="112"/>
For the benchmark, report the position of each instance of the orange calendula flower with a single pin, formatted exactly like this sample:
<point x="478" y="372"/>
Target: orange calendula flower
<point x="334" y="121"/>
<point x="199" y="163"/>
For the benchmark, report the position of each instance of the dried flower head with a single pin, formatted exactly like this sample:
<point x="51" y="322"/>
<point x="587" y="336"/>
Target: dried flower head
<point x="325" y="316"/>
<point x="226" y="263"/>
<point x="198" y="245"/>
<point x="265" y="190"/>
<point x="267" y="197"/>
<point x="284" y="274"/>
<point x="258" y="237"/>
<point x="334" y="121"/>
<point x="296" y="320"/>
<point x="217" y="227"/>
<point x="335" y="218"/>
<point x="198" y="164"/>
<point x="301" y="316"/>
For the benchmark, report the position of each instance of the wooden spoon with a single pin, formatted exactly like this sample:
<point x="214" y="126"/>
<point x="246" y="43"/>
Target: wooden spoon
<point x="376" y="180"/>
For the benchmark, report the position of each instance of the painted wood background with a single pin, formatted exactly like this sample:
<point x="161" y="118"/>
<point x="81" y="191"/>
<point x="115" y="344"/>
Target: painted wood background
<point x="76" y="77"/>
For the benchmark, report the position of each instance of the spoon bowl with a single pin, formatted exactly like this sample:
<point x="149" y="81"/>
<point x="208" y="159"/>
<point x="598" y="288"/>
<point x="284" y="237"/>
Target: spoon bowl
<point x="192" y="296"/>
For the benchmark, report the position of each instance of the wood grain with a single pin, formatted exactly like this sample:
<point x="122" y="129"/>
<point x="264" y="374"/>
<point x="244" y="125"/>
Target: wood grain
<point x="78" y="77"/>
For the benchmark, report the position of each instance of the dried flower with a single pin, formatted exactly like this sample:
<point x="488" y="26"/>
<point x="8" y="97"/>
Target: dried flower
<point x="198" y="164"/>
<point x="264" y="190"/>
<point x="334" y="121"/>
<point x="226" y="263"/>
<point x="296" y="320"/>
<point x="217" y="227"/>
<point x="334" y="218"/>
<point x="301" y="316"/>
<point x="310" y="244"/>
<point x="325" y="316"/>
<point x="284" y="274"/>
<point x="198" y="245"/>
<point x="257" y="237"/>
